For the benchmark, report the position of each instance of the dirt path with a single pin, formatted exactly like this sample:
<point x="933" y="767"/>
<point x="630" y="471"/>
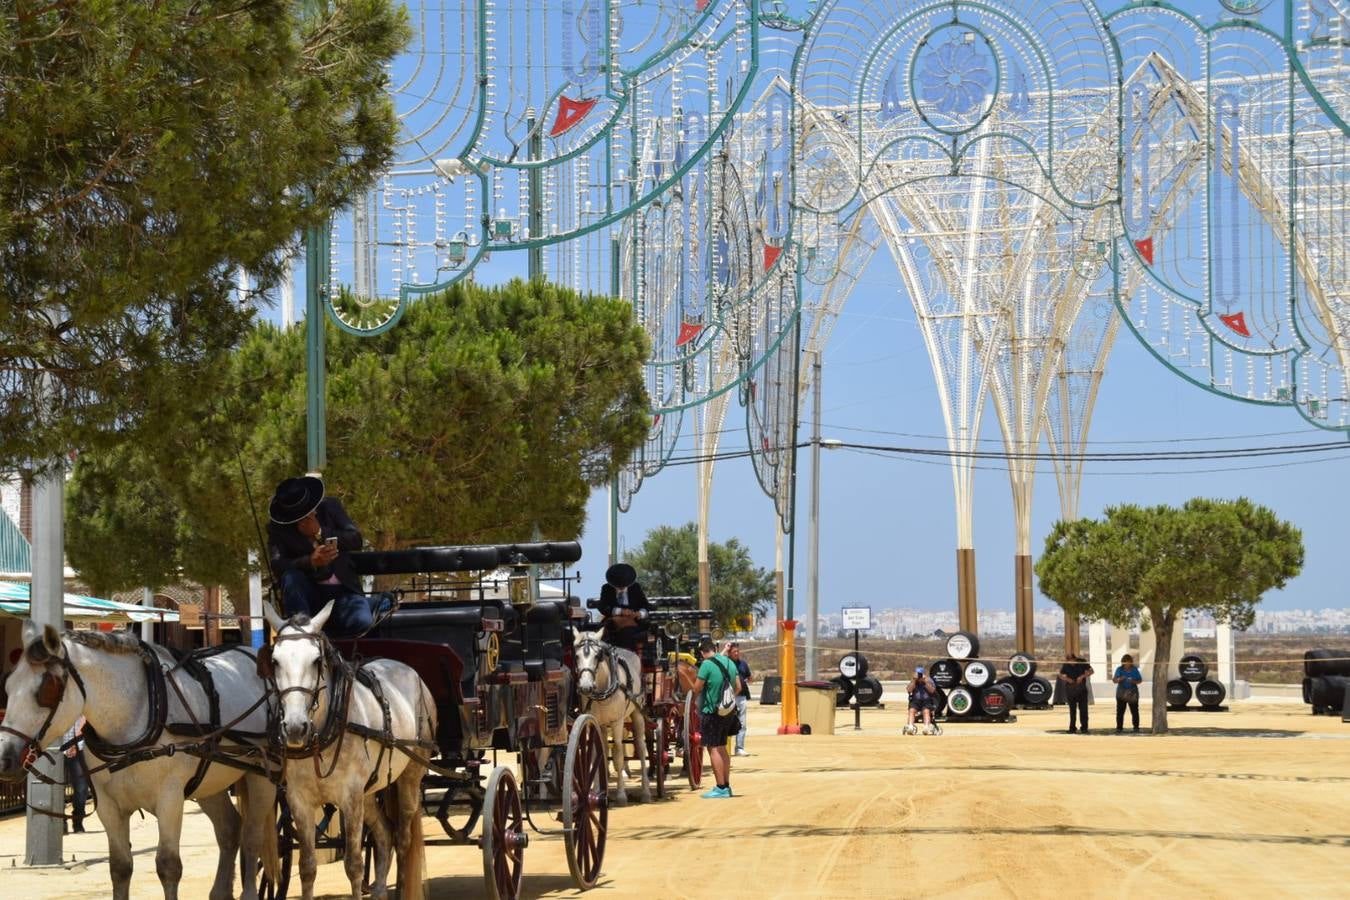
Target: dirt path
<point x="1252" y="801"/>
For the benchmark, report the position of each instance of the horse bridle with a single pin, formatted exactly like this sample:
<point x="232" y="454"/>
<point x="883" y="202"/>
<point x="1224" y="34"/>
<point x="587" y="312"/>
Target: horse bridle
<point x="50" y="692"/>
<point x="320" y="738"/>
<point x="614" y="681"/>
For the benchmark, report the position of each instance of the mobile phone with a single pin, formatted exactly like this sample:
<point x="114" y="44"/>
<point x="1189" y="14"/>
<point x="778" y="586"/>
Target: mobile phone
<point x="332" y="541"/>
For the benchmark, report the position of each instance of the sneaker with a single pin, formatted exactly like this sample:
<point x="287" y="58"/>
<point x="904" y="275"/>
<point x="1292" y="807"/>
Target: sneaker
<point x="742" y="753"/>
<point x="717" y="793"/>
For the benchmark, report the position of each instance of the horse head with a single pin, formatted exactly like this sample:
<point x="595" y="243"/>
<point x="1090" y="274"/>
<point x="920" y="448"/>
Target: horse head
<point x="590" y="653"/>
<point x="39" y="709"/>
<point x="294" y="664"/>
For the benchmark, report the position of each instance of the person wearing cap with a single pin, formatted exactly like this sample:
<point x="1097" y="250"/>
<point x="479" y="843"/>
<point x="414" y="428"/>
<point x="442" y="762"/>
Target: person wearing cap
<point x="308" y="538"/>
<point x="922" y="698"/>
<point x="623" y="608"/>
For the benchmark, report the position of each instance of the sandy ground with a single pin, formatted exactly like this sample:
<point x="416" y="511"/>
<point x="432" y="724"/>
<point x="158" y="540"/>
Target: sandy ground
<point x="1253" y="802"/>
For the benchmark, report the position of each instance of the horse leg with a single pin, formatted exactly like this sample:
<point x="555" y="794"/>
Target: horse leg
<point x="117" y="825"/>
<point x="616" y="754"/>
<point x="225" y="823"/>
<point x="353" y="808"/>
<point x="640" y="744"/>
<point x="410" y="842"/>
<point x="169" y="814"/>
<point x="383" y="838"/>
<point x="257" y="833"/>
<point x="302" y="806"/>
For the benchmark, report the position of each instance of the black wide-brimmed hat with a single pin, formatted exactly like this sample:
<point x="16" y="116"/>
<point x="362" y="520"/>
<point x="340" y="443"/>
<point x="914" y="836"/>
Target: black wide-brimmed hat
<point x="620" y="576"/>
<point x="294" y="499"/>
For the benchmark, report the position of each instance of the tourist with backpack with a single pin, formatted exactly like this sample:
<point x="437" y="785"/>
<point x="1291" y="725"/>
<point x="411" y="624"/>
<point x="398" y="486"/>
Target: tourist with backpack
<point x="716" y="688"/>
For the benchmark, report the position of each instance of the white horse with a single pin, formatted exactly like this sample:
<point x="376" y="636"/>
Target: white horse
<point x="609" y="681"/>
<point x="127" y="691"/>
<point x="338" y="734"/>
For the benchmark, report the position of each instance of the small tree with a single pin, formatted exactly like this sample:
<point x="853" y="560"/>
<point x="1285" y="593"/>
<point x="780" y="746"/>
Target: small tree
<point x="667" y="565"/>
<point x="1212" y="555"/>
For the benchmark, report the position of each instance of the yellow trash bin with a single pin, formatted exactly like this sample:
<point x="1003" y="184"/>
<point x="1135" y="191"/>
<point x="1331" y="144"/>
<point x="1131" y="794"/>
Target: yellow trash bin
<point x="815" y="705"/>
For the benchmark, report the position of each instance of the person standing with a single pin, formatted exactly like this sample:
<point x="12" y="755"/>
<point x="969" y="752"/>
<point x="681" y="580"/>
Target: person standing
<point x="715" y="673"/>
<point x="1127" y="679"/>
<point x="1075" y="673"/>
<point x="733" y="652"/>
<point x="75" y="774"/>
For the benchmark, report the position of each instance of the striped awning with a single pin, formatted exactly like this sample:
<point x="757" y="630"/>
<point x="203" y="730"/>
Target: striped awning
<point x="14" y="602"/>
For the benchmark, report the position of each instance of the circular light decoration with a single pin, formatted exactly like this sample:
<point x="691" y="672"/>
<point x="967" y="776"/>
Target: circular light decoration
<point x="365" y="316"/>
<point x="1245" y="7"/>
<point x="954" y="78"/>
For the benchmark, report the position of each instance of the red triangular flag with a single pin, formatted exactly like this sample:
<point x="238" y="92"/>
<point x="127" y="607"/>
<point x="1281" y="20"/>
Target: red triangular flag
<point x="700" y="5"/>
<point x="656" y="420"/>
<point x="1238" y="322"/>
<point x="570" y="112"/>
<point x="771" y="254"/>
<point x="688" y="331"/>
<point x="1145" y="248"/>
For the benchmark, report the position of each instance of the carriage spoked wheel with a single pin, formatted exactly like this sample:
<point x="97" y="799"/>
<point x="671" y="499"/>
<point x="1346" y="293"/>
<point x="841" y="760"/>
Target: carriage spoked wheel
<point x="504" y="839"/>
<point x="586" y="804"/>
<point x="658" y="754"/>
<point x="693" y="744"/>
<point x="285" y="849"/>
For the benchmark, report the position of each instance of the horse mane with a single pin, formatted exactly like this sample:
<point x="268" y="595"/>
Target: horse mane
<point x="121" y="643"/>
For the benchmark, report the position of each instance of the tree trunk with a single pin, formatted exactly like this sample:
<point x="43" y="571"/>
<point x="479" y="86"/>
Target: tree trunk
<point x="1162" y="623"/>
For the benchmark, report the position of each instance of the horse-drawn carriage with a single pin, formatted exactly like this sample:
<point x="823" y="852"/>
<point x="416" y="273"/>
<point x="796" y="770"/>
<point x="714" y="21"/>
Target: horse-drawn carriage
<point x="497" y="664"/>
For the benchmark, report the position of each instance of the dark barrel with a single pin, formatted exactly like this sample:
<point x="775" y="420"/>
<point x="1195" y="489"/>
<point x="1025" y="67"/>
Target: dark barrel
<point x="963" y="645"/>
<point x="1022" y="665"/>
<point x="979" y="673"/>
<point x="1178" y="692"/>
<point x="1321" y="663"/>
<point x="771" y="690"/>
<point x="997" y="699"/>
<point x="940" y="703"/>
<point x="960" y="701"/>
<point x="1192" y="668"/>
<point x="1307" y="690"/>
<point x="946" y="673"/>
<point x="1210" y="693"/>
<point x="843" y="690"/>
<point x="1328" y="692"/>
<point x="1037" y="692"/>
<point x="868" y="691"/>
<point x="853" y="665"/>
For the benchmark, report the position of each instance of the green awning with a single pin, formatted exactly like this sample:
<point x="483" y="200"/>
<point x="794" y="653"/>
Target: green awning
<point x="14" y="602"/>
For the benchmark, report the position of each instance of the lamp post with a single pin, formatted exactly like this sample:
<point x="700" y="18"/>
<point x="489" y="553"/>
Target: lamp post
<point x="813" y="550"/>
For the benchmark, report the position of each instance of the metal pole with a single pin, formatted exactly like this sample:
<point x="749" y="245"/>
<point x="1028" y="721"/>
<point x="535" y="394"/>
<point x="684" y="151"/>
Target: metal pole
<point x="536" y="150"/>
<point x="857" y="704"/>
<point x="614" y="291"/>
<point x="47" y="607"/>
<point x="316" y="292"/>
<point x="813" y="550"/>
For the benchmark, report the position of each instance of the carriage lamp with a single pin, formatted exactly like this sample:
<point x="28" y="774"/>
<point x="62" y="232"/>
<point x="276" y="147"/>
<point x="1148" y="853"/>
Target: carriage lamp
<point x="520" y="586"/>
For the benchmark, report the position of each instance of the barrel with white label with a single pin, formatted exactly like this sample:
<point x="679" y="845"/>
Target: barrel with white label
<point x="960" y="701"/>
<point x="979" y="673"/>
<point x="963" y="645"/>
<point x="1022" y="665"/>
<point x="1178" y="692"/>
<point x="997" y="700"/>
<point x="1210" y="693"/>
<point x="853" y="665"/>
<point x="1192" y="668"/>
<point x="1037" y="692"/>
<point x="946" y="673"/>
<point x="867" y="691"/>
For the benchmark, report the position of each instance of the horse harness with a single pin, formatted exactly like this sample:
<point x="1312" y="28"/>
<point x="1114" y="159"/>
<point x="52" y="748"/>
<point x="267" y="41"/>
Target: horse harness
<point x="616" y="666"/>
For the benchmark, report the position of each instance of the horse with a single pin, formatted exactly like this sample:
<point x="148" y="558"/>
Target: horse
<point x="375" y="724"/>
<point x="609" y="681"/>
<point x="127" y="690"/>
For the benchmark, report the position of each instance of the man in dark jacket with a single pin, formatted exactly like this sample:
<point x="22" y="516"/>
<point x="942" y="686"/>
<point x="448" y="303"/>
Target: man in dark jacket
<point x="308" y="538"/>
<point x="623" y="608"/>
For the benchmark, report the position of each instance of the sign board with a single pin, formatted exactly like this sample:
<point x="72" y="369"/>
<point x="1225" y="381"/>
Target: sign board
<point x="189" y="615"/>
<point x="857" y="617"/>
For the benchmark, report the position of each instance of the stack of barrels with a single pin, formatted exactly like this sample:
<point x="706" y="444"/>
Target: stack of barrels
<point x="1194" y="682"/>
<point x="1326" y="675"/>
<point x="1032" y="691"/>
<point x="853" y="683"/>
<point x="968" y="687"/>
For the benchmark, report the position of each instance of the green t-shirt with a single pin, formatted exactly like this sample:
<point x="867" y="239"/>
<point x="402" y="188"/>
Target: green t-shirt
<point x="713" y="675"/>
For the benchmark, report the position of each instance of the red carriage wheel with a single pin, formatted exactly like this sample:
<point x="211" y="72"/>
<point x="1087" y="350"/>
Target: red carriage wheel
<point x="504" y="837"/>
<point x="693" y="744"/>
<point x="586" y="803"/>
<point x="658" y="753"/>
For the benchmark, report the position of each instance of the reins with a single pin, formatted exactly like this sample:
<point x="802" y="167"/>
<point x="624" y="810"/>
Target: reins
<point x="615" y="665"/>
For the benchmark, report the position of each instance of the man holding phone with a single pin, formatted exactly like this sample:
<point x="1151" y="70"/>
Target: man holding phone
<point x="308" y="538"/>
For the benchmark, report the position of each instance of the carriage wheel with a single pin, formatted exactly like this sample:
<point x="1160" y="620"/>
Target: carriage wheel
<point x="504" y="838"/>
<point x="586" y="809"/>
<point x="693" y="744"/>
<point x="285" y="850"/>
<point x="658" y="752"/>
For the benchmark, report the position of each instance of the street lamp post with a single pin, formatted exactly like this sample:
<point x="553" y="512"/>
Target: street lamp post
<point x="813" y="550"/>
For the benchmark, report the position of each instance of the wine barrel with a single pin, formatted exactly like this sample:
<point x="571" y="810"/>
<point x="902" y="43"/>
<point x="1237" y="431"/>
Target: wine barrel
<point x="1307" y="690"/>
<point x="997" y="700"/>
<point x="979" y="673"/>
<point x="843" y="690"/>
<point x="1178" y="692"/>
<point x="939" y="702"/>
<point x="963" y="645"/>
<point x="960" y="701"/>
<point x="1320" y="663"/>
<point x="1193" y="668"/>
<point x="1037" y="692"/>
<point x="771" y="690"/>
<point x="1022" y="665"/>
<point x="1210" y="693"/>
<point x="1328" y="692"/>
<point x="946" y="673"/>
<point x="868" y="691"/>
<point x="853" y="665"/>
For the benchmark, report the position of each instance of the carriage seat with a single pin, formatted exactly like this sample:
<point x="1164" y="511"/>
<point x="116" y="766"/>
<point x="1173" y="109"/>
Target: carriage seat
<point x="437" y="665"/>
<point x="546" y="625"/>
<point x="453" y="624"/>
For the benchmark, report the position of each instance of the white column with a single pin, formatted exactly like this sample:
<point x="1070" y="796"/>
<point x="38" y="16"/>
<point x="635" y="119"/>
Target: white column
<point x="1177" y="650"/>
<point x="148" y="626"/>
<point x="255" y="601"/>
<point x="47" y="607"/>
<point x="1097" y="646"/>
<point x="1120" y="645"/>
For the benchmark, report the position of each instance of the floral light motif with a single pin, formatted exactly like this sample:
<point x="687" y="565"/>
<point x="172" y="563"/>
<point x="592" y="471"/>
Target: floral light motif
<point x="956" y="77"/>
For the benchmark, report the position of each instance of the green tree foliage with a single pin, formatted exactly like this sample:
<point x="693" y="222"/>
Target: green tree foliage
<point x="148" y="151"/>
<point x="1152" y="564"/>
<point x="667" y="565"/>
<point x="485" y="415"/>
